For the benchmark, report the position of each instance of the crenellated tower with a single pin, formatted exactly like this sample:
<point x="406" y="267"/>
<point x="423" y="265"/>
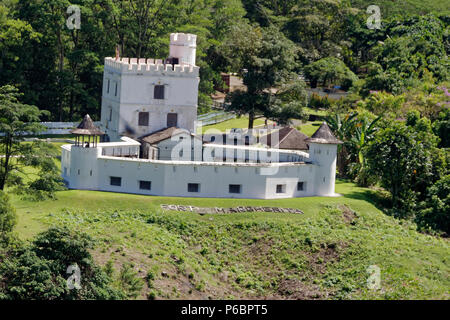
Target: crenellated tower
<point x="141" y="96"/>
<point x="183" y="47"/>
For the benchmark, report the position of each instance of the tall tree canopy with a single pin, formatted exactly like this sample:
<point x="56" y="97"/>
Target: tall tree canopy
<point x="266" y="60"/>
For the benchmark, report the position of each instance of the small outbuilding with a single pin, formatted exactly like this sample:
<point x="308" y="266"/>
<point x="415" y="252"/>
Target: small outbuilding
<point x="158" y="145"/>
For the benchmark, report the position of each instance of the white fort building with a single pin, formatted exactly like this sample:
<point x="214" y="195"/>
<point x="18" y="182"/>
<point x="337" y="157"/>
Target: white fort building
<point x="151" y="146"/>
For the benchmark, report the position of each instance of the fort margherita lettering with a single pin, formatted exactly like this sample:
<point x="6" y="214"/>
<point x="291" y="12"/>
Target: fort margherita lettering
<point x="202" y="210"/>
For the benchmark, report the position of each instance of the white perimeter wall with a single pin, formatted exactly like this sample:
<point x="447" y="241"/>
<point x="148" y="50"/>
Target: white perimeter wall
<point x="87" y="169"/>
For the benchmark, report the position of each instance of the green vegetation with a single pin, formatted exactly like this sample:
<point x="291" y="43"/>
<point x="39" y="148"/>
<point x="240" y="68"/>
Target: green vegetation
<point x="309" y="127"/>
<point x="265" y="59"/>
<point x="51" y="267"/>
<point x="15" y="156"/>
<point x="394" y="123"/>
<point x="324" y="253"/>
<point x="390" y="8"/>
<point x="328" y="71"/>
<point x="240" y="122"/>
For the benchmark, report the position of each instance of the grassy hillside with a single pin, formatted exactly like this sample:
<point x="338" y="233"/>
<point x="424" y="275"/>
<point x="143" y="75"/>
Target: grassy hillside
<point x="402" y="7"/>
<point x="322" y="254"/>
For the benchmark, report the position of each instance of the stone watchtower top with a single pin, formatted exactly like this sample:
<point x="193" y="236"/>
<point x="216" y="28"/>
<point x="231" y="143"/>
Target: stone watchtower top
<point x="181" y="59"/>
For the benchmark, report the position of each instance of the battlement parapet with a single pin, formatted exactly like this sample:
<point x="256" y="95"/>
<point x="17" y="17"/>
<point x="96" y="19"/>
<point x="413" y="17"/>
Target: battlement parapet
<point x="150" y="66"/>
<point x="183" y="39"/>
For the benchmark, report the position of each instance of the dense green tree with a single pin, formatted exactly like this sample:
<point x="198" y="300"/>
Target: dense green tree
<point x="8" y="218"/>
<point x="318" y="28"/>
<point x="328" y="71"/>
<point x="17" y="120"/>
<point x="265" y="59"/>
<point x="401" y="162"/>
<point x="441" y="128"/>
<point x="412" y="47"/>
<point x="40" y="272"/>
<point x="436" y="211"/>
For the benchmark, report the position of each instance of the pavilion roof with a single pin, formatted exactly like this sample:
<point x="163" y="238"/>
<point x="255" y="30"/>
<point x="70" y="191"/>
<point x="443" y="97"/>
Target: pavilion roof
<point x="87" y="127"/>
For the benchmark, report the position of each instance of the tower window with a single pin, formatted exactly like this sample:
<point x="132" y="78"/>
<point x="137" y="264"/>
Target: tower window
<point x="281" y="188"/>
<point x="115" y="90"/>
<point x="158" y="92"/>
<point x="234" y="188"/>
<point x="115" y="181"/>
<point x="193" y="187"/>
<point x="300" y="186"/>
<point x="143" y="119"/>
<point x="107" y="89"/>
<point x="172" y="120"/>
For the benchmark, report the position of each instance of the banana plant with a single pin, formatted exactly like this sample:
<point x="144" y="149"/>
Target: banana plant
<point x="364" y="130"/>
<point x="342" y="127"/>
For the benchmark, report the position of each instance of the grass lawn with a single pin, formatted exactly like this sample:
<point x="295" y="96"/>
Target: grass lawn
<point x="309" y="110"/>
<point x="324" y="253"/>
<point x="310" y="127"/>
<point x="241" y="122"/>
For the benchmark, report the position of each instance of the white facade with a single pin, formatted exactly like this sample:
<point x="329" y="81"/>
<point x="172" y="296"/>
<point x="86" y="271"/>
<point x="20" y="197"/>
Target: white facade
<point x="247" y="172"/>
<point x="87" y="168"/>
<point x="96" y="169"/>
<point x="129" y="88"/>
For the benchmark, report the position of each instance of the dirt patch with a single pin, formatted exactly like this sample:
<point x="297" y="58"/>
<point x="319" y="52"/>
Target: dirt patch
<point x="348" y="214"/>
<point x="261" y="246"/>
<point x="327" y="253"/>
<point x="297" y="290"/>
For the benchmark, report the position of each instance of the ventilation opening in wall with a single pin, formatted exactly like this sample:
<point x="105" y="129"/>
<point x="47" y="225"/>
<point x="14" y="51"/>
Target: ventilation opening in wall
<point x="234" y="188"/>
<point x="193" y="187"/>
<point x="145" y="185"/>
<point x="281" y="188"/>
<point x="90" y="173"/>
<point x="115" y="181"/>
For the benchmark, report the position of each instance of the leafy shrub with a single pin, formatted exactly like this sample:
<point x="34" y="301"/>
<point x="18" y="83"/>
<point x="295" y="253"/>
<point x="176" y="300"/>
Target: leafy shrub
<point x="318" y="102"/>
<point x="130" y="283"/>
<point x="39" y="271"/>
<point x="436" y="214"/>
<point x="44" y="187"/>
<point x="8" y="217"/>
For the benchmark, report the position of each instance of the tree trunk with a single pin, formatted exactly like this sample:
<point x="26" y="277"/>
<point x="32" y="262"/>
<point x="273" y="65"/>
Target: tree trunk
<point x="6" y="163"/>
<point x="251" y="119"/>
<point x="60" y="69"/>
